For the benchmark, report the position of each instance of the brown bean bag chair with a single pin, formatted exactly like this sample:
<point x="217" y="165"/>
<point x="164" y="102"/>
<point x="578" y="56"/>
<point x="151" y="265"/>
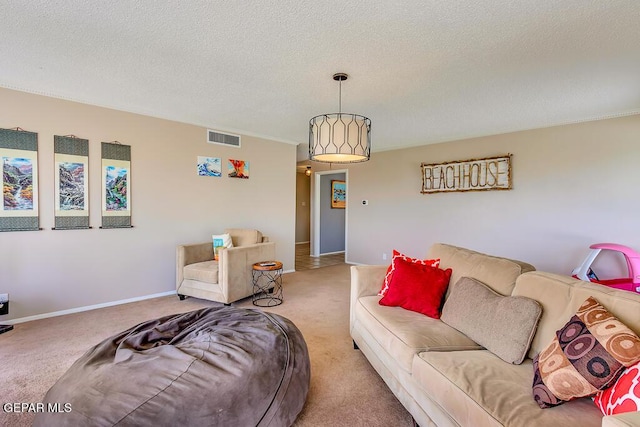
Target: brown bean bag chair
<point x="220" y="366"/>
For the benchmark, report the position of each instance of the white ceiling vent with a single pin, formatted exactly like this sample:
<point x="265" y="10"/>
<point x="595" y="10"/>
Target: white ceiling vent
<point x="215" y="137"/>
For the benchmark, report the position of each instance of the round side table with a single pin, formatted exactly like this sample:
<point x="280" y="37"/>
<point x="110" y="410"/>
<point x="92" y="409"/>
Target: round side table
<point x="267" y="283"/>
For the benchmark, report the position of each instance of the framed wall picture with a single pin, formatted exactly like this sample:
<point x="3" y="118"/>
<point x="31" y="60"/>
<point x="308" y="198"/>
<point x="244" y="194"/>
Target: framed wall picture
<point x="209" y="166"/>
<point x="238" y="169"/>
<point x="338" y="194"/>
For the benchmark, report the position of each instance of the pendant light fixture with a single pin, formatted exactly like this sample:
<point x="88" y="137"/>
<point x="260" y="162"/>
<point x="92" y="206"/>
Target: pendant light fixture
<point x="339" y="137"/>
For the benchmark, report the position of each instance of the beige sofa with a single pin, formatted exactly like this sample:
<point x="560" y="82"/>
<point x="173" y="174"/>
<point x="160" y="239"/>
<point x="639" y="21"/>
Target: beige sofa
<point x="230" y="277"/>
<point x="443" y="378"/>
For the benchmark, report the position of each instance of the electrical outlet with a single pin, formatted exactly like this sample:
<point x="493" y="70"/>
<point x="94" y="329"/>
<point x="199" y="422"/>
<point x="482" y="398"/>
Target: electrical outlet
<point x="4" y="298"/>
<point x="384" y="257"/>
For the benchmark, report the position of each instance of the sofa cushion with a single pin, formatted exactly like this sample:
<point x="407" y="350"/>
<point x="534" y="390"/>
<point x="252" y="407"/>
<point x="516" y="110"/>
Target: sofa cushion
<point x="477" y="388"/>
<point x="498" y="273"/>
<point x="588" y="354"/>
<point x="403" y="333"/>
<point x="503" y="325"/>
<point x="206" y="271"/>
<point x="623" y="396"/>
<point x="417" y="287"/>
<point x="391" y="269"/>
<point x="244" y="236"/>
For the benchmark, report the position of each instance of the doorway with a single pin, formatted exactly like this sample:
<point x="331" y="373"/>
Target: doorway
<point x="328" y="224"/>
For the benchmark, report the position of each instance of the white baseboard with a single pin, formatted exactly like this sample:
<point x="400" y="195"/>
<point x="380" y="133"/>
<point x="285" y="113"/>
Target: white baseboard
<point x="86" y="308"/>
<point x="95" y="306"/>
<point x="329" y="253"/>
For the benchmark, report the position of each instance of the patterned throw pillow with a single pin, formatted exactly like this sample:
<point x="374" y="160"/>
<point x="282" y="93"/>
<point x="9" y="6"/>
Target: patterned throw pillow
<point x="221" y="241"/>
<point x="391" y="269"/>
<point x="417" y="287"/>
<point x="623" y="396"/>
<point x="588" y="354"/>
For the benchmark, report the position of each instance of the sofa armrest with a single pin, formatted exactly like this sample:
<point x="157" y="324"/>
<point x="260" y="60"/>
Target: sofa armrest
<point x="628" y="419"/>
<point x="235" y="267"/>
<point x="190" y="254"/>
<point x="366" y="280"/>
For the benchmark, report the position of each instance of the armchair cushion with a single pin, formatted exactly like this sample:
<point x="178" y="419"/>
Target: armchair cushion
<point x="244" y="236"/>
<point x="206" y="271"/>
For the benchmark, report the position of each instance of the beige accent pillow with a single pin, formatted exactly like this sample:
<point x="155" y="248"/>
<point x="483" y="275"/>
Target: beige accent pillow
<point x="503" y="325"/>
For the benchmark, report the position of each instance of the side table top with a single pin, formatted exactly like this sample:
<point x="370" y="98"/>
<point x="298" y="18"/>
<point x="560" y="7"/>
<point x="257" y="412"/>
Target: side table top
<point x="267" y="265"/>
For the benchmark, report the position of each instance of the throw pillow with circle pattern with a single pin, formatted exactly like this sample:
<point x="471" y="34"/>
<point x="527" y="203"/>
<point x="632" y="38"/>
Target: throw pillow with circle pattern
<point x="588" y="354"/>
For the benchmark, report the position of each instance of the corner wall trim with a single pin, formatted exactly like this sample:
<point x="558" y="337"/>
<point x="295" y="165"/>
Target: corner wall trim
<point x="86" y="308"/>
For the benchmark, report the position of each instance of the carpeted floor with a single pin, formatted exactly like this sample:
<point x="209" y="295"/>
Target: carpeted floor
<point x="345" y="390"/>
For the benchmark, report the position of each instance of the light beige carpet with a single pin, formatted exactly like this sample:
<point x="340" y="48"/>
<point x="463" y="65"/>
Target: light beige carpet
<point x="345" y="390"/>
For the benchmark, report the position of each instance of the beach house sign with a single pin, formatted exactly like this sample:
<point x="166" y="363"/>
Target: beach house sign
<point x="492" y="173"/>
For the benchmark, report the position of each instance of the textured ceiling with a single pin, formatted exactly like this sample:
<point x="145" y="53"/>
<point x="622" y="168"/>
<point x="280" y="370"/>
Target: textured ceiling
<point x="423" y="71"/>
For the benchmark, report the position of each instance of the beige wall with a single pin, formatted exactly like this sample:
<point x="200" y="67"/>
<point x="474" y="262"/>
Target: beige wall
<point x="572" y="186"/>
<point x="46" y="271"/>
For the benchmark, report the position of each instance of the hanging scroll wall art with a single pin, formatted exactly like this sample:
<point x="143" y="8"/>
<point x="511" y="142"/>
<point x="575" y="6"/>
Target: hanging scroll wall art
<point x="19" y="156"/>
<point x="71" y="182"/>
<point x="492" y="173"/>
<point x="116" y="185"/>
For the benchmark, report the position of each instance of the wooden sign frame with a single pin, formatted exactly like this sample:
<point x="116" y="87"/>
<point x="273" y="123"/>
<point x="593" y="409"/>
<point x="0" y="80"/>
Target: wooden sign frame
<point x="490" y="173"/>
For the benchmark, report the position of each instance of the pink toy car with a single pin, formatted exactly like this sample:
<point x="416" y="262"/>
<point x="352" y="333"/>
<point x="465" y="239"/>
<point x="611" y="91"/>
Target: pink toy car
<point x="631" y="283"/>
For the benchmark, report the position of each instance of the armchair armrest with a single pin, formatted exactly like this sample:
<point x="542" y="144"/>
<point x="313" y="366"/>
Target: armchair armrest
<point x="190" y="254"/>
<point x="365" y="280"/>
<point x="235" y="267"/>
<point x="628" y="419"/>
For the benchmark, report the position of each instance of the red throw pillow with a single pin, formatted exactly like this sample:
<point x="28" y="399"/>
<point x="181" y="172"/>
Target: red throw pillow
<point x="396" y="254"/>
<point x="417" y="287"/>
<point x="623" y="395"/>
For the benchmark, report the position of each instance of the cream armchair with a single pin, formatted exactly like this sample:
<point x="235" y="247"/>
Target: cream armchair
<point x="230" y="277"/>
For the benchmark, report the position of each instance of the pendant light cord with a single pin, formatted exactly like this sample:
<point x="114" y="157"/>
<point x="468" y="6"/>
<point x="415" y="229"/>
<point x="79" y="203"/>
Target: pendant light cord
<point x="340" y="103"/>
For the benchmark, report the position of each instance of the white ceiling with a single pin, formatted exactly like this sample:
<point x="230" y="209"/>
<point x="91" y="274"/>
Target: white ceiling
<point x="424" y="71"/>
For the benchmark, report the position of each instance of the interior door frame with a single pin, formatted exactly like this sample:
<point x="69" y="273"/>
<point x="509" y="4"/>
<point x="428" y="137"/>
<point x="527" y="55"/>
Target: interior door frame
<point x="315" y="210"/>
